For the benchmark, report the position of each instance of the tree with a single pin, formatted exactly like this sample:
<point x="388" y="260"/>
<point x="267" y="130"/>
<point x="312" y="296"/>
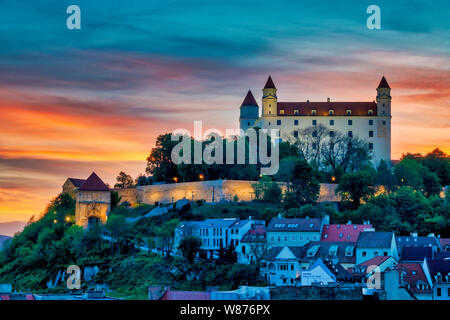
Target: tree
<point x="267" y="189"/>
<point x="115" y="199"/>
<point x="142" y="180"/>
<point x="228" y="255"/>
<point x="409" y="173"/>
<point x="384" y="176"/>
<point x="124" y="181"/>
<point x="305" y="184"/>
<point x="356" y="186"/>
<point x="159" y="162"/>
<point x="165" y="234"/>
<point x="118" y="228"/>
<point x="431" y="184"/>
<point x="189" y="247"/>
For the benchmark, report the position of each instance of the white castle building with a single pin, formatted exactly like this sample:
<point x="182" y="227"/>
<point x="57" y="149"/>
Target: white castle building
<point x="369" y="121"/>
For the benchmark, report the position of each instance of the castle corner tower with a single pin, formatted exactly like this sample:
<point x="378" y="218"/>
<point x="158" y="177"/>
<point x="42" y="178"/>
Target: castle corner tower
<point x="269" y="99"/>
<point x="249" y="112"/>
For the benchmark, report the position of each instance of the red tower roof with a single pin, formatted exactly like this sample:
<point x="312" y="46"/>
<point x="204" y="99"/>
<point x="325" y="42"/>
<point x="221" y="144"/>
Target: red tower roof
<point x="93" y="183"/>
<point x="383" y="83"/>
<point x="269" y="84"/>
<point x="249" y="100"/>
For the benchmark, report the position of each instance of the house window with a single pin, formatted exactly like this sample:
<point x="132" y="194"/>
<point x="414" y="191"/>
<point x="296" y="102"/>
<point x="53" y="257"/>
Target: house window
<point x="438" y="292"/>
<point x="314" y="122"/>
<point x="243" y="249"/>
<point x="331" y="112"/>
<point x="375" y="254"/>
<point x="285" y="238"/>
<point x="350" y="122"/>
<point x="384" y="123"/>
<point x="292" y="267"/>
<point x="350" y="134"/>
<point x="385" y="253"/>
<point x="370" y="122"/>
<point x="272" y="238"/>
<point x="371" y="134"/>
<point x="295" y="122"/>
<point x="279" y="238"/>
<point x="279" y="122"/>
<point x="248" y="123"/>
<point x="370" y="112"/>
<point x="370" y="146"/>
<point x="364" y="253"/>
<point x="348" y="112"/>
<point x="331" y="122"/>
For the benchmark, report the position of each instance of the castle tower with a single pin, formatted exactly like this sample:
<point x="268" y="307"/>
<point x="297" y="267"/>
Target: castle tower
<point x="93" y="202"/>
<point x="382" y="150"/>
<point x="384" y="98"/>
<point x="249" y="112"/>
<point x="269" y="99"/>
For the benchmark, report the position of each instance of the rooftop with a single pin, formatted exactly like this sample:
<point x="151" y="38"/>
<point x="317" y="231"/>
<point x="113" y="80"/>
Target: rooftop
<point x="93" y="183"/>
<point x="343" y="232"/>
<point x="372" y="239"/>
<point x="295" y="224"/>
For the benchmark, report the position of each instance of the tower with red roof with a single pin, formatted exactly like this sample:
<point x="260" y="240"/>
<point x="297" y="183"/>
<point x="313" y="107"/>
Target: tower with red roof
<point x="93" y="202"/>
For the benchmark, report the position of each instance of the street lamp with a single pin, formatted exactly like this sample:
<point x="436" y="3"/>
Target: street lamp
<point x="201" y="176"/>
<point x="333" y="178"/>
<point x="175" y="179"/>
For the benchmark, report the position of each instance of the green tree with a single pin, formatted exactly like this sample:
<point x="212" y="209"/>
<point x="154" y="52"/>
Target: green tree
<point x="124" y="181"/>
<point x="189" y="247"/>
<point x="305" y="183"/>
<point x="356" y="186"/>
<point x="165" y="234"/>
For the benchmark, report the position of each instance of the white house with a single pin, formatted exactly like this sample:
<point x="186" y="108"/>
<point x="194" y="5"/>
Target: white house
<point x="317" y="274"/>
<point x="281" y="266"/>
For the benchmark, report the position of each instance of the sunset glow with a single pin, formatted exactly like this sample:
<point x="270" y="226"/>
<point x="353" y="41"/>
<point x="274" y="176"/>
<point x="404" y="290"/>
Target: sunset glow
<point x="96" y="99"/>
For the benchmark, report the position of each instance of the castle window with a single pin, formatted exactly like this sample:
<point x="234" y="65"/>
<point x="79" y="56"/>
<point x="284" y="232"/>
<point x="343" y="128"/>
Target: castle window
<point x="348" y="112"/>
<point x="350" y="134"/>
<point x="314" y="122"/>
<point x="282" y="111"/>
<point x="295" y="134"/>
<point x="370" y="146"/>
<point x="295" y="122"/>
<point x="371" y="134"/>
<point x="331" y="122"/>
<point x="314" y="134"/>
<point x="248" y="123"/>
<point x="331" y="112"/>
<point x="370" y="112"/>
<point x="279" y="122"/>
<point x="270" y="112"/>
<point x="350" y="122"/>
<point x="296" y="111"/>
<point x="384" y="123"/>
<point x="331" y="134"/>
<point x="370" y="122"/>
<point x="313" y="112"/>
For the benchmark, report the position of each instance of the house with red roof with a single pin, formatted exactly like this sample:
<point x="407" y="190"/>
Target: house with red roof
<point x="93" y="202"/>
<point x="344" y="232"/>
<point x="413" y="278"/>
<point x="369" y="267"/>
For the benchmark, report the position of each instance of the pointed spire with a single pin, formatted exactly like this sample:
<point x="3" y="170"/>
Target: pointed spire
<point x="269" y="84"/>
<point x="249" y="100"/>
<point x="383" y="83"/>
<point x="93" y="183"/>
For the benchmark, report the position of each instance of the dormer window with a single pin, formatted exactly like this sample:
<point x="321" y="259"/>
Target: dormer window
<point x="296" y="111"/>
<point x="370" y="112"/>
<point x="282" y="111"/>
<point x="348" y="112"/>
<point x="313" y="112"/>
<point x="331" y="112"/>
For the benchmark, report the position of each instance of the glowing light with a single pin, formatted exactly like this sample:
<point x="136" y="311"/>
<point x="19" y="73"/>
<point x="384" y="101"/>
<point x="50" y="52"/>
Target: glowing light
<point x="201" y="177"/>
<point x="55" y="221"/>
<point x="175" y="179"/>
<point x="333" y="178"/>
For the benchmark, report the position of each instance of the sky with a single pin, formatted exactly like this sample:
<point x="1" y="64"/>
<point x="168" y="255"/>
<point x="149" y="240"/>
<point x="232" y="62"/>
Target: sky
<point x="95" y="99"/>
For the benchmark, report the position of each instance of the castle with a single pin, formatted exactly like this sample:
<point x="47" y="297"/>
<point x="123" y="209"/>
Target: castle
<point x="370" y="121"/>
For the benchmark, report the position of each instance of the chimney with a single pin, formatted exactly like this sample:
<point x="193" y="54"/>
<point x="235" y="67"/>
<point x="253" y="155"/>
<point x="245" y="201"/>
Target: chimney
<point x="326" y="219"/>
<point x="414" y="234"/>
<point x="280" y="216"/>
<point x="328" y="99"/>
